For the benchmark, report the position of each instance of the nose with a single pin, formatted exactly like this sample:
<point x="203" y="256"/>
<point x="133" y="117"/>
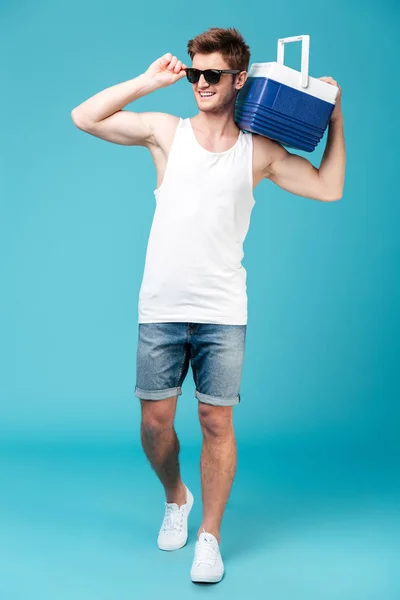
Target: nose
<point x="202" y="80"/>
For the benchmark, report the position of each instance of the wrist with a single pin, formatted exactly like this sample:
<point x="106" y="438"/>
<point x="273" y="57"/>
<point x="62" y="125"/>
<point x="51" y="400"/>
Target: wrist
<point x="148" y="82"/>
<point x="337" y="120"/>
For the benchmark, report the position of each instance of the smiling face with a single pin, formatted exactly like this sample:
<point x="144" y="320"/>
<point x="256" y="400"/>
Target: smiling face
<point x="219" y="97"/>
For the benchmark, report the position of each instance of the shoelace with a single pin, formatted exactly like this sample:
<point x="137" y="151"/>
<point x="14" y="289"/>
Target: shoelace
<point x="170" y="523"/>
<point x="206" y="552"/>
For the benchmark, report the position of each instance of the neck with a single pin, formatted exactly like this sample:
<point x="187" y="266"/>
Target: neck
<point x="217" y="124"/>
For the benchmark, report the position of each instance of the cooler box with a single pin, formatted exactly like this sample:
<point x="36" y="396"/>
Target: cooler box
<point x="284" y="104"/>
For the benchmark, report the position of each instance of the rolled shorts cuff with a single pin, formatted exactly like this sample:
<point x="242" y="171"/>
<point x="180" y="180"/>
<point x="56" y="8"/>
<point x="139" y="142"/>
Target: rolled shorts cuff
<point x="217" y="401"/>
<point x="157" y="394"/>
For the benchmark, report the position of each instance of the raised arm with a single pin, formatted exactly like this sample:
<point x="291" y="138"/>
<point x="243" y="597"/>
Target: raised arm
<point x="298" y="176"/>
<point x="103" y="116"/>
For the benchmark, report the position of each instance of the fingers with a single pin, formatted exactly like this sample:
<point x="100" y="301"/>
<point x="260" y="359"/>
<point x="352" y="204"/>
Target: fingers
<point x="332" y="82"/>
<point x="172" y="63"/>
<point x="166" y="59"/>
<point x="329" y="80"/>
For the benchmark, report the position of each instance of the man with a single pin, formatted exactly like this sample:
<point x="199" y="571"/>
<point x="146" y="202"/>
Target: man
<point x="193" y="300"/>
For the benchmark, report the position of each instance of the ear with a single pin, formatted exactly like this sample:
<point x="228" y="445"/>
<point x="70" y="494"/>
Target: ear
<point x="241" y="79"/>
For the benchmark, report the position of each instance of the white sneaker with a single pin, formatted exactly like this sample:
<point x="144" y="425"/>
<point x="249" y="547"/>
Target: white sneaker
<point x="173" y="533"/>
<point x="207" y="564"/>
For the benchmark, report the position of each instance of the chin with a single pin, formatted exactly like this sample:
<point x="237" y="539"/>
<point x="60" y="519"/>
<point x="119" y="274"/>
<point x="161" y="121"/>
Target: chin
<point x="203" y="107"/>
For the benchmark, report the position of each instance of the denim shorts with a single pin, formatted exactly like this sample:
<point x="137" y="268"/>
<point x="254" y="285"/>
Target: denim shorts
<point x="215" y="352"/>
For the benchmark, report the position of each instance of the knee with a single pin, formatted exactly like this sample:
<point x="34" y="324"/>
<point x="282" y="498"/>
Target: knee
<point x="215" y="421"/>
<point x="155" y="418"/>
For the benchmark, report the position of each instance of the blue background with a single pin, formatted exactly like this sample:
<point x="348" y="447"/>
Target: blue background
<point x="313" y="511"/>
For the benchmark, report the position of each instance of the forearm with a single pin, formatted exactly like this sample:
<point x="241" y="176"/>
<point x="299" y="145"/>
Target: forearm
<point x="114" y="98"/>
<point x="332" y="167"/>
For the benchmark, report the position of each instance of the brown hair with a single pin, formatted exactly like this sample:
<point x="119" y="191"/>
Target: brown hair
<point x="229" y="42"/>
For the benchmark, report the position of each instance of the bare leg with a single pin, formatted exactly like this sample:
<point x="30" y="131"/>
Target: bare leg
<point x="218" y="464"/>
<point x="161" y="445"/>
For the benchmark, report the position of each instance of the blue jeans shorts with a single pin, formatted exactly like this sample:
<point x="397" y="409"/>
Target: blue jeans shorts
<point x="215" y="352"/>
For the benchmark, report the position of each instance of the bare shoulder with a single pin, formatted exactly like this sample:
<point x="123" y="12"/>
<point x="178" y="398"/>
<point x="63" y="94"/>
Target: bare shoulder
<point x="163" y="127"/>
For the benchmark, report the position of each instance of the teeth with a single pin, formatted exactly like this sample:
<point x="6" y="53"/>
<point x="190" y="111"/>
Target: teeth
<point x="207" y="94"/>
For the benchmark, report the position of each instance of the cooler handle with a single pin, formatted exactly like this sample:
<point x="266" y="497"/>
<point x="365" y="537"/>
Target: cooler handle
<point x="305" y="48"/>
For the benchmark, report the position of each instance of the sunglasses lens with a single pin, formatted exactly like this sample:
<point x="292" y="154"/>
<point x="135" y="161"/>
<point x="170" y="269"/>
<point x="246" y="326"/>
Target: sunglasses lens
<point x="212" y="76"/>
<point x="193" y="75"/>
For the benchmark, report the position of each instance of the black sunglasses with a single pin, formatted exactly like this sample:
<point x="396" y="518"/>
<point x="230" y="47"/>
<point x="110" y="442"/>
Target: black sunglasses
<point x="210" y="75"/>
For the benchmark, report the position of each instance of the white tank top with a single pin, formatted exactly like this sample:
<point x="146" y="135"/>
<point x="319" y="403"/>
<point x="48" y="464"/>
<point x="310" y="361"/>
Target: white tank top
<point x="193" y="271"/>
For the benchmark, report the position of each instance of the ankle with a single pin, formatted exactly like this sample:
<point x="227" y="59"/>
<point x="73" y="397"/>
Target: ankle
<point x="176" y="494"/>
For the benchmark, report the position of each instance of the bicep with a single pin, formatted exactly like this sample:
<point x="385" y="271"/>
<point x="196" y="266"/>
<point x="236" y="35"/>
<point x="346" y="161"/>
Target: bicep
<point x="295" y="174"/>
<point x="126" y="128"/>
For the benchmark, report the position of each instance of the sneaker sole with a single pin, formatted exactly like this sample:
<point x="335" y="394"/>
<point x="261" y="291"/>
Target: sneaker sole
<point x="206" y="578"/>
<point x="170" y="547"/>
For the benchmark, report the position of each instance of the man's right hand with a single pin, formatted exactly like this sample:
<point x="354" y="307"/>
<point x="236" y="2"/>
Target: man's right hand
<point x="166" y="70"/>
